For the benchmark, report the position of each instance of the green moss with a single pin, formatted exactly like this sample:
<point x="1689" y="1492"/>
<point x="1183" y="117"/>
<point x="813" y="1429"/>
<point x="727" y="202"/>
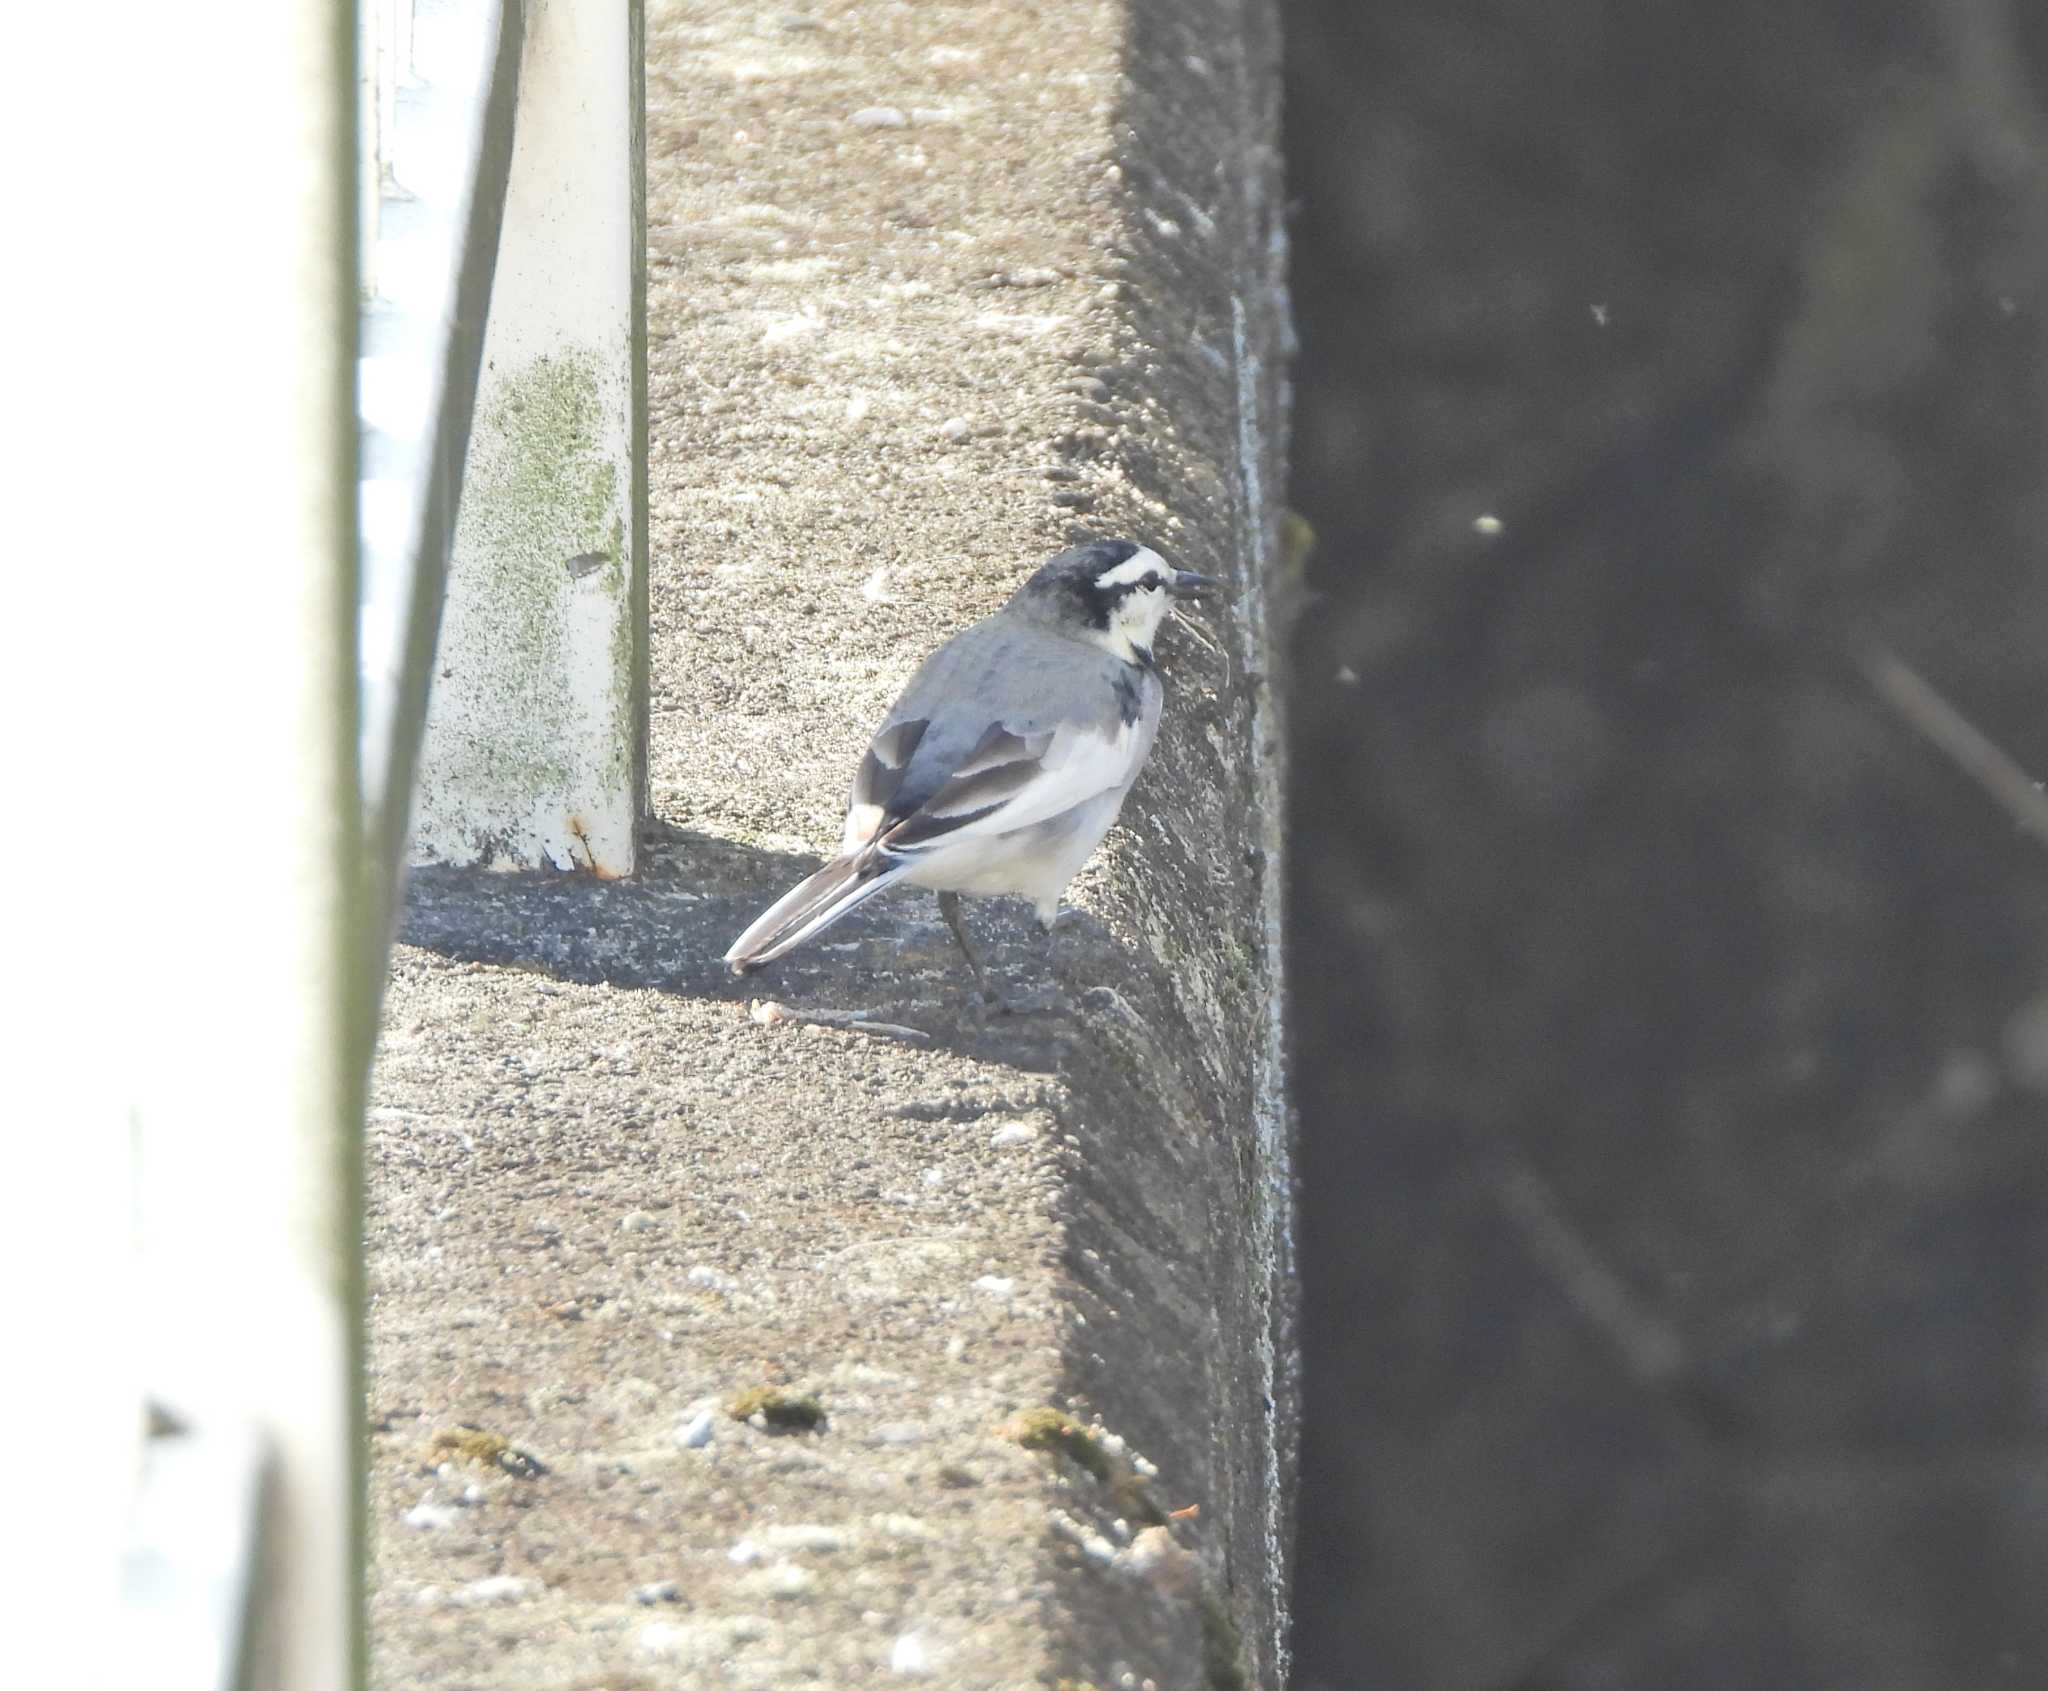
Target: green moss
<point x="540" y="506"/>
<point x="1046" y="1428"/>
<point x="1297" y="542"/>
<point x="1133" y="1502"/>
<point x="1222" y="1648"/>
<point x="1049" y="1429"/>
<point x="482" y="1449"/>
<point x="780" y="1411"/>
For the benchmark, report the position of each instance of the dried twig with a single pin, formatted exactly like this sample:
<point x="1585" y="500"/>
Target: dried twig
<point x="1957" y="739"/>
<point x="768" y="1011"/>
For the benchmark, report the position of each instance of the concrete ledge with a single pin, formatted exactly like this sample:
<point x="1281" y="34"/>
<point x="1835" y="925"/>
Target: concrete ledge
<point x="1033" y="1272"/>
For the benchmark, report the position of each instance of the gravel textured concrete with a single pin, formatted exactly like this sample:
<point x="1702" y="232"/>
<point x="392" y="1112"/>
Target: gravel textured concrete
<point x="715" y="1346"/>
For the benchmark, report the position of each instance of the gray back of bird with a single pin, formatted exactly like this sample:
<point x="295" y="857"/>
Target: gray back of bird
<point x="1025" y="677"/>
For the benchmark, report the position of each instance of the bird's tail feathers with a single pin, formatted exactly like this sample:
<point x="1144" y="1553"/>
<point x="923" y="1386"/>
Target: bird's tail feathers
<point x="840" y="887"/>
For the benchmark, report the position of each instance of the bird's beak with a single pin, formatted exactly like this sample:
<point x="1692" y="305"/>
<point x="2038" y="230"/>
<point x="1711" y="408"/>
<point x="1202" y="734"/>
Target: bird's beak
<point x="1188" y="585"/>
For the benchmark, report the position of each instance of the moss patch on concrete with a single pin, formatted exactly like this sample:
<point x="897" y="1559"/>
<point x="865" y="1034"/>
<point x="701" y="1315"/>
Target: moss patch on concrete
<point x="777" y="1410"/>
<point x="482" y="1449"/>
<point x="1223" y="1666"/>
<point x="1054" y="1431"/>
<point x="543" y="525"/>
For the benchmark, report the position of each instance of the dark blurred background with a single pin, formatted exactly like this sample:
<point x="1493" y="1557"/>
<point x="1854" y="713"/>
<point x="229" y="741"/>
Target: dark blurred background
<point x="1673" y="1014"/>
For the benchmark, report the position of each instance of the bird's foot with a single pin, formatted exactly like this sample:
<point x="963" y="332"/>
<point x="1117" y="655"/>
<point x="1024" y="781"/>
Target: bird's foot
<point x="996" y="1001"/>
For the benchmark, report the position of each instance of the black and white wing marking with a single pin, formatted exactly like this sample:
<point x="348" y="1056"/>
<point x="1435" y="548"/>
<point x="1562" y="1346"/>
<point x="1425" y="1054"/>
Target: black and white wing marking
<point x="1000" y="769"/>
<point x="878" y="780"/>
<point x="1010" y="781"/>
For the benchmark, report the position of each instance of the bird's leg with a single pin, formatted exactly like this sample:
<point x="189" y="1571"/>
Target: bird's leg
<point x="1049" y="925"/>
<point x="949" y="907"/>
<point x="1048" y="996"/>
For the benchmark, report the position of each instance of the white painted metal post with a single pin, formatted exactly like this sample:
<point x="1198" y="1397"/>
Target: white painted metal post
<point x="536" y="741"/>
<point x="253" y="1045"/>
<point x="197" y="448"/>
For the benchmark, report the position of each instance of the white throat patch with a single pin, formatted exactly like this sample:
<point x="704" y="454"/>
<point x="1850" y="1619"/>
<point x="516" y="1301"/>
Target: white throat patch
<point x="1137" y="614"/>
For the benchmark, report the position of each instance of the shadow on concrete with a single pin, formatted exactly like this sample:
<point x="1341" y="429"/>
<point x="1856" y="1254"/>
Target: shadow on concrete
<point x="667" y="928"/>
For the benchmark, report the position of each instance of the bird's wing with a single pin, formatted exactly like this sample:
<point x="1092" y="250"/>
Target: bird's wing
<point x="1005" y="725"/>
<point x="878" y="781"/>
<point x="1013" y="780"/>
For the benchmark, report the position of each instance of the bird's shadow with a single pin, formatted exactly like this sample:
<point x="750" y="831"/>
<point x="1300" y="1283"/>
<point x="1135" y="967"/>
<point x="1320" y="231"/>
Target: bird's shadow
<point x="891" y="962"/>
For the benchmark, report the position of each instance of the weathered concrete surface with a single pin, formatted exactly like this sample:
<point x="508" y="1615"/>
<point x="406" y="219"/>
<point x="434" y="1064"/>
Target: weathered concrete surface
<point x="892" y="367"/>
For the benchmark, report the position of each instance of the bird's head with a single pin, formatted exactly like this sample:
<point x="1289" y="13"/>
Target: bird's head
<point x="1114" y="593"/>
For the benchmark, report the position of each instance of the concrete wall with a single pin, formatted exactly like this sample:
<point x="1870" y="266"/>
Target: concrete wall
<point x="933" y="290"/>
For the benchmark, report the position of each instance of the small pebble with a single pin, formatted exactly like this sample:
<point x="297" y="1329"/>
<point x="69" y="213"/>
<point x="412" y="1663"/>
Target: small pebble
<point x="1488" y="524"/>
<point x="499" y="1588"/>
<point x="1092" y="1544"/>
<point x="878" y="117"/>
<point x="784" y="1580"/>
<point x="908" y="1656"/>
<point x="996" y="1285"/>
<point x="745" y="1553"/>
<point x="659" y="1638"/>
<point x="431" y="1517"/>
<point x="703" y="1274"/>
<point x="661" y="1591"/>
<point x="637" y="1221"/>
<point x="695" y="1433"/>
<point x="767" y="1012"/>
<point x="1167" y="1566"/>
<point x="1012" y="1133"/>
<point x="803" y="1536"/>
<point x="956" y="428"/>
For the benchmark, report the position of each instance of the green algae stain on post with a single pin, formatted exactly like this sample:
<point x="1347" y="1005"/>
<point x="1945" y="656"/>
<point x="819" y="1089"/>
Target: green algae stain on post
<point x="534" y="749"/>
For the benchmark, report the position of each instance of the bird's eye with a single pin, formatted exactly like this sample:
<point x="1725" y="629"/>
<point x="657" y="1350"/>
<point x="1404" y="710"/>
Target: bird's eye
<point x="1152" y="581"/>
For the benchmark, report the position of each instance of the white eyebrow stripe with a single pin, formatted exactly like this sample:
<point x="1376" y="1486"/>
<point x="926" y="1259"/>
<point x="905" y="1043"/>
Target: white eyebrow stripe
<point x="1135" y="568"/>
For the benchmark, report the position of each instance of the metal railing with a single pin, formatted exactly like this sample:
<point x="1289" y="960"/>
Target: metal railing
<point x="246" y="1559"/>
<point x="444" y="87"/>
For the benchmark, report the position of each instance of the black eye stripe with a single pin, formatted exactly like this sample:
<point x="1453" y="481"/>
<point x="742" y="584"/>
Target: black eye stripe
<point x="1119" y="589"/>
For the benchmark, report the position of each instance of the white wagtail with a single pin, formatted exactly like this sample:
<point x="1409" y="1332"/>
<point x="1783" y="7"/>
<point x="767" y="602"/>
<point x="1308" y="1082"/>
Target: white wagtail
<point x="1009" y="754"/>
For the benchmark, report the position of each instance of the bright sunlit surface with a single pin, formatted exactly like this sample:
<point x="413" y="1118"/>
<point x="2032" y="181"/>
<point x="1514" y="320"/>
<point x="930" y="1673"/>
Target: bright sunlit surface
<point x="424" y="152"/>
